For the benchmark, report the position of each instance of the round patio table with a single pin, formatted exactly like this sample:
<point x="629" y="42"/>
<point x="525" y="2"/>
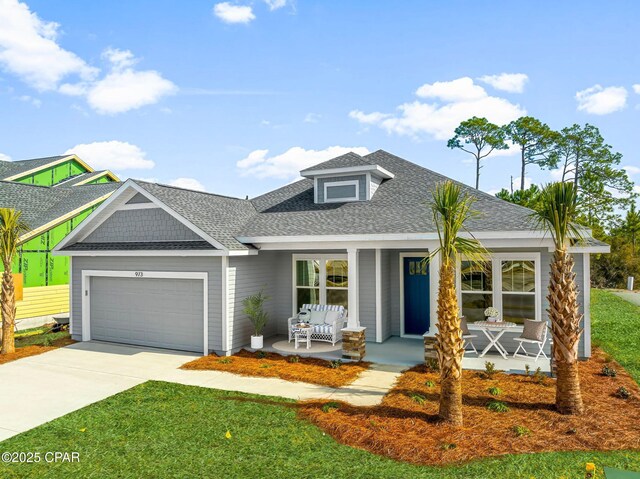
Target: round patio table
<point x="494" y="331"/>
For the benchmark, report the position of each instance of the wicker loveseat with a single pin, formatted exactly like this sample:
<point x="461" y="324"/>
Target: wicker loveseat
<point x="329" y="329"/>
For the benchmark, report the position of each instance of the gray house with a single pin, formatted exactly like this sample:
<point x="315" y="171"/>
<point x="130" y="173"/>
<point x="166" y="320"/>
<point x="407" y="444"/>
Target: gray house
<point x="167" y="267"/>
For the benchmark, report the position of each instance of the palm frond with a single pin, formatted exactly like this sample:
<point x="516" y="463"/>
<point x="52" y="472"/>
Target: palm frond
<point x="557" y="213"/>
<point x="11" y="228"/>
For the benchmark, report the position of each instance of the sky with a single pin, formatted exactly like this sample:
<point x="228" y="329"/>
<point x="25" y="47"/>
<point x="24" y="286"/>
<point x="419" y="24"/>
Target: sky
<point x="235" y="97"/>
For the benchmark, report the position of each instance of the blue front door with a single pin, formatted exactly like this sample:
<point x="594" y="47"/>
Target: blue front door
<point x="416" y="295"/>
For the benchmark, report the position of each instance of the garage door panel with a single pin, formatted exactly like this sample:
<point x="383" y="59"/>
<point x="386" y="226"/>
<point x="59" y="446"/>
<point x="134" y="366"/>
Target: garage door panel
<point x="157" y="312"/>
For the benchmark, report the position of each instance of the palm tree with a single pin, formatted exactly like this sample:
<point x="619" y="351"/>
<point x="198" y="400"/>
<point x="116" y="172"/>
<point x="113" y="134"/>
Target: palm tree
<point x="11" y="228"/>
<point x="556" y="215"/>
<point x="451" y="209"/>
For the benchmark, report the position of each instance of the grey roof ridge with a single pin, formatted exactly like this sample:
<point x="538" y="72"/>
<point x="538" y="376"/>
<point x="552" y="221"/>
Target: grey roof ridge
<point x="278" y="189"/>
<point x="313" y="167"/>
<point x="446" y="178"/>
<point x="185" y="189"/>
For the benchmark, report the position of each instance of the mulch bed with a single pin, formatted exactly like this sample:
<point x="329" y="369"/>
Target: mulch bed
<point x="26" y="351"/>
<point x="273" y="365"/>
<point x="405" y="425"/>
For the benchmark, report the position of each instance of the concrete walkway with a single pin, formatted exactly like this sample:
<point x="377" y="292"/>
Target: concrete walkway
<point x="631" y="296"/>
<point x="52" y="384"/>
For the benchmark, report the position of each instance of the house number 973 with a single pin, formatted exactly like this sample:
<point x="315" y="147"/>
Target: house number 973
<point x="139" y="274"/>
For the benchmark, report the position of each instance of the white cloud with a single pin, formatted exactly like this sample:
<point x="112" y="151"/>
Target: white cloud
<point x="112" y="155"/>
<point x="636" y="88"/>
<point x="289" y="163"/>
<point x="312" y="118"/>
<point x="601" y="101"/>
<point x="275" y="4"/>
<point x="29" y="99"/>
<point x="459" y="100"/>
<point x="188" y="183"/>
<point x="462" y="89"/>
<point x="29" y="49"/>
<point x="229" y="13"/>
<point x="123" y="88"/>
<point x="631" y="170"/>
<point x="4" y="157"/>
<point x="510" y="82"/>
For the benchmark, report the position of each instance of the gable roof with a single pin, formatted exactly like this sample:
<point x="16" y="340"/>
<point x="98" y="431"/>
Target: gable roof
<point x="342" y="161"/>
<point x="12" y="168"/>
<point x="400" y="205"/>
<point x="41" y="205"/>
<point x="221" y="217"/>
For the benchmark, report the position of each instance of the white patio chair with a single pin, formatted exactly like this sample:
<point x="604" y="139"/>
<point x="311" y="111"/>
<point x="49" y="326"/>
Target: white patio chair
<point x="534" y="333"/>
<point x="467" y="336"/>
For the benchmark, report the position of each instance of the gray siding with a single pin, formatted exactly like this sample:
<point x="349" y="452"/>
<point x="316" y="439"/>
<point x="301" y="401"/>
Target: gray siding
<point x="153" y="224"/>
<point x="211" y="265"/>
<point x="138" y="198"/>
<point x="367" y="292"/>
<point x="362" y="183"/>
<point x="375" y="182"/>
<point x="248" y="275"/>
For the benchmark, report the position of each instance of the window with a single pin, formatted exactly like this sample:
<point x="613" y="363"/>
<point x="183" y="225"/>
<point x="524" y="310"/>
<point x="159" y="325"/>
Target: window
<point x="476" y="289"/>
<point x="509" y="283"/>
<point x="321" y="280"/>
<point x="337" y="191"/>
<point x="518" y="290"/>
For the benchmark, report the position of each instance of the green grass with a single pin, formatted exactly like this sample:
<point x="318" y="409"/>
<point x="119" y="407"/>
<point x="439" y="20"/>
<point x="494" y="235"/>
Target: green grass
<point x="173" y="431"/>
<point x="40" y="339"/>
<point x="615" y="327"/>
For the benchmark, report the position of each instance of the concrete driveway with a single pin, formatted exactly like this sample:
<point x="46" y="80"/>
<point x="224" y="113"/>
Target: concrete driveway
<point x="50" y="385"/>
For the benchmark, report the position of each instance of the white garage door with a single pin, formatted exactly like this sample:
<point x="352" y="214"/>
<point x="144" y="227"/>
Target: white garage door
<point x="156" y="312"/>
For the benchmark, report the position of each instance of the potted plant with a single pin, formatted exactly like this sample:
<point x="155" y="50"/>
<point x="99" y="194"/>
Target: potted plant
<point x="254" y="308"/>
<point x="492" y="314"/>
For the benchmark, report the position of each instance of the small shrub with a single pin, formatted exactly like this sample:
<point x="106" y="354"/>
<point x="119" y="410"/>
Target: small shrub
<point x="225" y="360"/>
<point x="430" y="384"/>
<point x="497" y="406"/>
<point x="432" y="364"/>
<point x="489" y="370"/>
<point x="47" y="341"/>
<point x="330" y="407"/>
<point x="521" y="431"/>
<point x="495" y="391"/>
<point x="418" y="398"/>
<point x="261" y="354"/>
<point x="539" y="377"/>
<point x="265" y="366"/>
<point x="293" y="359"/>
<point x="446" y="446"/>
<point x="622" y="393"/>
<point x="335" y="364"/>
<point x="609" y="372"/>
<point x="527" y="370"/>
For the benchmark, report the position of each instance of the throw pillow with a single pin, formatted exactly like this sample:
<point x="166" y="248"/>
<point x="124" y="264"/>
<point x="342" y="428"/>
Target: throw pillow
<point x="533" y="330"/>
<point x="317" y="317"/>
<point x="332" y="316"/>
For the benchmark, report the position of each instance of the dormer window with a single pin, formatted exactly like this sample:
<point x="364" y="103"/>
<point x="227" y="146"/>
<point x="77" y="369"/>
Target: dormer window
<point x="341" y="191"/>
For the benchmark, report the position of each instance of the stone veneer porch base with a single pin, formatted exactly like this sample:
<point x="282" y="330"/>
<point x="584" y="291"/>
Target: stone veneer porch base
<point x="353" y="344"/>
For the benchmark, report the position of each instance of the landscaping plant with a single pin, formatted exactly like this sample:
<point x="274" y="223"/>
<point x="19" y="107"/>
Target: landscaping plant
<point x="497" y="406"/>
<point x="253" y="307"/>
<point x="451" y="209"/>
<point x="609" y="372"/>
<point x="11" y="228"/>
<point x="557" y="215"/>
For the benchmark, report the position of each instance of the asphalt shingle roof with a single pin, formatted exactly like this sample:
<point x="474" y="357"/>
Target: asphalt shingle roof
<point x="140" y="246"/>
<point x="400" y="205"/>
<point x="10" y="168"/>
<point x="42" y="204"/>
<point x="221" y="217"/>
<point x="342" y="161"/>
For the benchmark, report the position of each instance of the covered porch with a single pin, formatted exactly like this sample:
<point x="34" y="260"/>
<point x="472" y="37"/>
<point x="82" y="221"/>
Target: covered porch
<point x="397" y="351"/>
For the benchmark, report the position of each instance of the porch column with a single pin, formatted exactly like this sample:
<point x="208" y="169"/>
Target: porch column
<point x="353" y="336"/>
<point x="353" y="321"/>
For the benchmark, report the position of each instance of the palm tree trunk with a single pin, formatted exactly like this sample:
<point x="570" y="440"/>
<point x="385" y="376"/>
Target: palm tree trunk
<point x="8" y="311"/>
<point x="449" y="346"/>
<point x="565" y="328"/>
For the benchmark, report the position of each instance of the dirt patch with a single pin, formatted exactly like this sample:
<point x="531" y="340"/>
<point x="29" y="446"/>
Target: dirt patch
<point x="26" y="351"/>
<point x="405" y="425"/>
<point x="273" y="365"/>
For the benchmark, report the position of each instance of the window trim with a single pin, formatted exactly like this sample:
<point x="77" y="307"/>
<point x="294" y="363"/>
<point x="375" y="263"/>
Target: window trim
<point x="322" y="258"/>
<point x="496" y="270"/>
<point x="329" y="184"/>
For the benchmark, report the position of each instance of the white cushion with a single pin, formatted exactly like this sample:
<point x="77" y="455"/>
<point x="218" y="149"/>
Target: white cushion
<point x="332" y="316"/>
<point x="317" y="317"/>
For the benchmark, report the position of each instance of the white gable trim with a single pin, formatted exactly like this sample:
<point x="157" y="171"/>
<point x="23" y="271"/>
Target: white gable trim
<point x="49" y="165"/>
<point x="125" y="191"/>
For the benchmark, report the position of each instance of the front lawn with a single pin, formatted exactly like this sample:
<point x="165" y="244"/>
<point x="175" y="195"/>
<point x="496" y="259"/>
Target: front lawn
<point x="334" y="374"/>
<point x="175" y="431"/>
<point x="615" y="327"/>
